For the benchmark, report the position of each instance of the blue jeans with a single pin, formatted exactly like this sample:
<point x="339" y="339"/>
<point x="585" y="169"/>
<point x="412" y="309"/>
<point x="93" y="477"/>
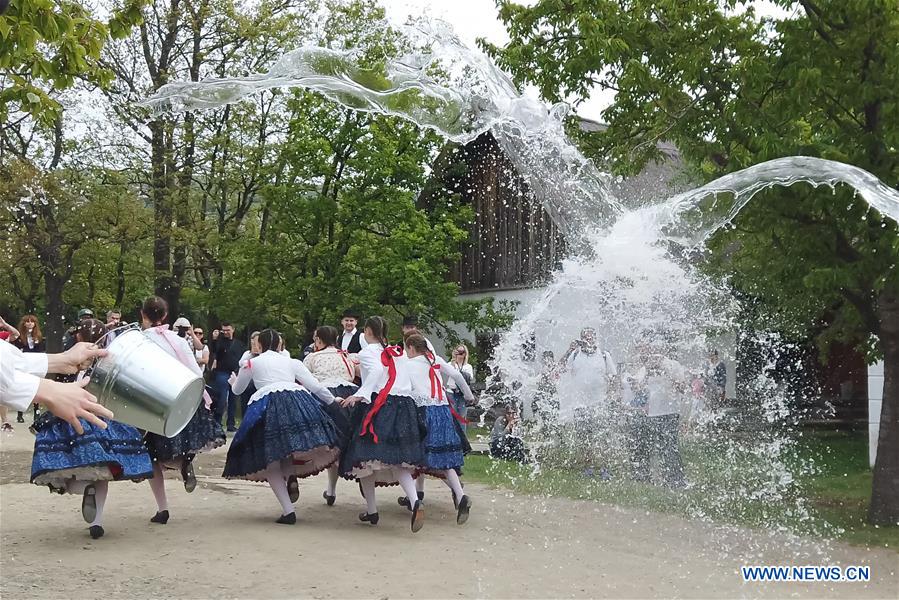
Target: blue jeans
<point x="224" y="399"/>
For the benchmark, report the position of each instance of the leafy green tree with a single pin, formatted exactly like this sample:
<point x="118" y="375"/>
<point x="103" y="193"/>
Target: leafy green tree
<point x="732" y="89"/>
<point x="48" y="45"/>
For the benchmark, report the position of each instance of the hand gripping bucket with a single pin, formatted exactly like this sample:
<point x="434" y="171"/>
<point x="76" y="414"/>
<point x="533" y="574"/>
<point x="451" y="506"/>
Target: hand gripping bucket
<point x="143" y="385"/>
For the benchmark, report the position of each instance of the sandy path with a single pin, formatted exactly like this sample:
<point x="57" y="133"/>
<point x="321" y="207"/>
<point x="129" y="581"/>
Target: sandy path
<point x="222" y="542"/>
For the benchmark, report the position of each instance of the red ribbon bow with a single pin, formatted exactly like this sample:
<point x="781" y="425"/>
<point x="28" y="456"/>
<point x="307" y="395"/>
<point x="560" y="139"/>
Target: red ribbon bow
<point x="387" y="357"/>
<point x="437" y="389"/>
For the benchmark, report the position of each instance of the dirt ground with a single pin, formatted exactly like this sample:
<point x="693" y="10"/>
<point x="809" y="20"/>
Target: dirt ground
<point x="222" y="542"/>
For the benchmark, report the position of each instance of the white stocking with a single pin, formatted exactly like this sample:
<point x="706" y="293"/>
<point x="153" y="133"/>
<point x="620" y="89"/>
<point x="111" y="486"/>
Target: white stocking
<point x="102" y="489"/>
<point x="368" y="489"/>
<point x="332" y="480"/>
<point x="404" y="476"/>
<point x="452" y="480"/>
<point x="157" y="485"/>
<point x="276" y="480"/>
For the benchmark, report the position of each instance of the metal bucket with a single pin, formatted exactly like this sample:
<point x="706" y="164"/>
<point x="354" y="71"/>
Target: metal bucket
<point x="143" y="385"/>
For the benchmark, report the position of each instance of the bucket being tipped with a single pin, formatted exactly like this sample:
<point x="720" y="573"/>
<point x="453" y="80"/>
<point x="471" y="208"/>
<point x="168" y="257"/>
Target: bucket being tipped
<point x="144" y="386"/>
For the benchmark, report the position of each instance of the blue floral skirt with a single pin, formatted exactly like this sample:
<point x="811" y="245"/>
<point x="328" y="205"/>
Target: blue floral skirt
<point x="401" y="432"/>
<point x="61" y="455"/>
<point x="201" y="434"/>
<point x="288" y="426"/>
<point x="443" y="447"/>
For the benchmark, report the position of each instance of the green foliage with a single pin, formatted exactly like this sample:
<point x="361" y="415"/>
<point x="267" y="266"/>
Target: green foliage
<point x="836" y="492"/>
<point x="47" y="45"/>
<point x="732" y="89"/>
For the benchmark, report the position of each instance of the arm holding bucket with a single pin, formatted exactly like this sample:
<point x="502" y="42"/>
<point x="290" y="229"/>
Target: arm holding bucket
<point x="68" y="401"/>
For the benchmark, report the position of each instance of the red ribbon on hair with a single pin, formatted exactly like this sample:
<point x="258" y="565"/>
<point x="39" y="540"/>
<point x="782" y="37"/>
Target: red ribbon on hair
<point x="387" y="357"/>
<point x="437" y="389"/>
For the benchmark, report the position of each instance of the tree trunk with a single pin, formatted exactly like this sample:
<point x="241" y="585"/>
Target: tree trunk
<point x="120" y="276"/>
<point x="162" y="211"/>
<point x="884" y="508"/>
<point x="54" y="326"/>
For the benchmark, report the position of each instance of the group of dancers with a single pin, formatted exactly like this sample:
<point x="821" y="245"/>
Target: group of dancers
<point x="395" y="428"/>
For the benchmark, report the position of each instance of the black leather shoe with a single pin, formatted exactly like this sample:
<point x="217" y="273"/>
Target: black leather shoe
<point x="89" y="504"/>
<point x="161" y="517"/>
<point x="187" y="474"/>
<point x="293" y="488"/>
<point x="372" y="518"/>
<point x="96" y="531"/>
<point x="329" y="499"/>
<point x="418" y="517"/>
<point x="464" y="509"/>
<point x="290" y="519"/>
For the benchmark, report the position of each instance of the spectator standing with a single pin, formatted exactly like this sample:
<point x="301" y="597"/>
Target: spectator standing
<point x="459" y="361"/>
<point x="30" y="340"/>
<point x="203" y="353"/>
<point x="226" y="353"/>
<point x="113" y="322"/>
<point x="658" y="386"/>
<point x="8" y="332"/>
<point x="716" y="377"/>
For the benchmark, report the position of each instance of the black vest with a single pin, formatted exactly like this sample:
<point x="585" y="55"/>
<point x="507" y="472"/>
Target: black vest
<point x="355" y="345"/>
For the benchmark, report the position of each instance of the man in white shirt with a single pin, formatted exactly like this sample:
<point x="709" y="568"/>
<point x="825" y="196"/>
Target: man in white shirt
<point x="22" y="383"/>
<point x="655" y="390"/>
<point x="588" y="375"/>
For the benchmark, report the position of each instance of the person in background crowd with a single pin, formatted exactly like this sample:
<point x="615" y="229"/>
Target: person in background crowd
<point x="203" y="353"/>
<point x="657" y="385"/>
<point x="504" y="444"/>
<point x="716" y="377"/>
<point x="8" y="332"/>
<point x="459" y="361"/>
<point x="184" y="329"/>
<point x="546" y="405"/>
<point x="589" y="377"/>
<point x="30" y="340"/>
<point x="226" y="352"/>
<point x="68" y="338"/>
<point x="113" y="322"/>
<point x="350" y="339"/>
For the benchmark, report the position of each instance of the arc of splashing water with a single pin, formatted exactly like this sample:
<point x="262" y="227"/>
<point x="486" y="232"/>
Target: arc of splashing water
<point x="478" y="97"/>
<point x="481" y="98"/>
<point x="745" y="184"/>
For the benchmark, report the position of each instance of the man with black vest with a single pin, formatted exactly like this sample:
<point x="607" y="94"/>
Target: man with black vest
<point x="349" y="339"/>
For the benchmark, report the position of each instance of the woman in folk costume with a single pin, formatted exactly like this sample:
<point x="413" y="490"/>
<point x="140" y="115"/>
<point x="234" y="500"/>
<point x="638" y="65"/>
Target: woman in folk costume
<point x="202" y="433"/>
<point x="444" y="443"/>
<point x="335" y="369"/>
<point x="387" y="446"/>
<point x="285" y="433"/>
<point x="85" y="464"/>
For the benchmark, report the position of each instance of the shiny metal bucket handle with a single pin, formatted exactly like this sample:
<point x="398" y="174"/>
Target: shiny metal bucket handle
<point x="101" y="343"/>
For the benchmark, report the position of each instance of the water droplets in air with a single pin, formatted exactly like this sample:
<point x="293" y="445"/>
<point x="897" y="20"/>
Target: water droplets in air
<point x="632" y="276"/>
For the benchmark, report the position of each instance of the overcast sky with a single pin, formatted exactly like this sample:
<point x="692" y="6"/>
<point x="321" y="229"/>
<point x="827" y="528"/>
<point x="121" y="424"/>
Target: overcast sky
<point x="478" y="18"/>
<point x="473" y="19"/>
